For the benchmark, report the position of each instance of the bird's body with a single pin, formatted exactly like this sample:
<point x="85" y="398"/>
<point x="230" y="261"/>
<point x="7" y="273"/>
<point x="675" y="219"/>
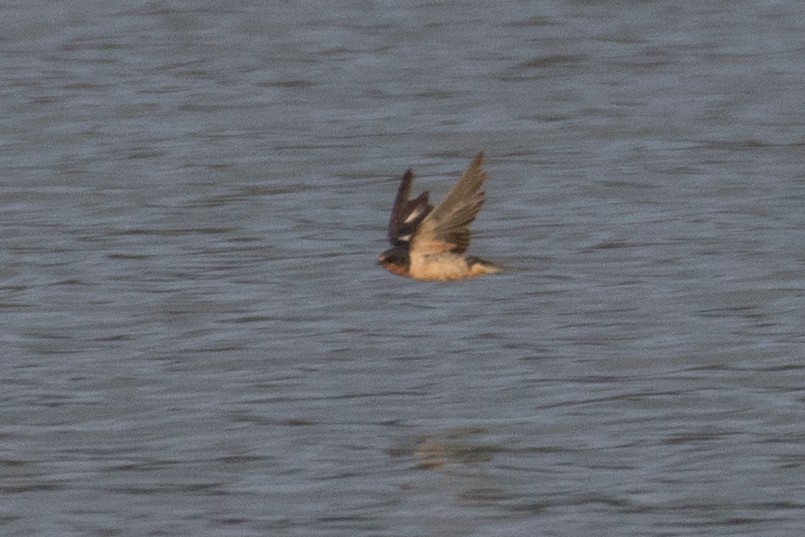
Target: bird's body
<point x="429" y="243"/>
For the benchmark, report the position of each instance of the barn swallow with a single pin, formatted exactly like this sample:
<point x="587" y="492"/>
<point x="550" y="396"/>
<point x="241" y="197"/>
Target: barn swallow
<point x="429" y="243"/>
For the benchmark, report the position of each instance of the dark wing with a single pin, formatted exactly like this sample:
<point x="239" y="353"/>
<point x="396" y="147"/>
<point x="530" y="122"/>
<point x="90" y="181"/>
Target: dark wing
<point x="407" y="214"/>
<point x="446" y="228"/>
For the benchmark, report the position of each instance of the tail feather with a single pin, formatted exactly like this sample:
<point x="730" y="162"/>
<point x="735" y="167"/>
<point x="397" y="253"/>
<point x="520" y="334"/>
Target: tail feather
<point x="478" y="266"/>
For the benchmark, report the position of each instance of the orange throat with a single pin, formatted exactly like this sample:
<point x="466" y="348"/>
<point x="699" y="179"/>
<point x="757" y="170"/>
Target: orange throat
<point x="394" y="268"/>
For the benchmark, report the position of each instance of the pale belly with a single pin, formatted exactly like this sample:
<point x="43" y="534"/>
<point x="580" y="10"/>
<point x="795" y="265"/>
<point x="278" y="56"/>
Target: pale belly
<point x="439" y="267"/>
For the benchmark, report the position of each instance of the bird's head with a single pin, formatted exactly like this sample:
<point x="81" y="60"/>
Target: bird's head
<point x="395" y="260"/>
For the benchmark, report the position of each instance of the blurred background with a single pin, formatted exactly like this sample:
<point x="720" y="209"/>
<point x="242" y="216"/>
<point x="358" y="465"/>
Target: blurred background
<point x="196" y="338"/>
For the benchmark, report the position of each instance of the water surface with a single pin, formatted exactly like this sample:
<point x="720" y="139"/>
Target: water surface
<point x="197" y="340"/>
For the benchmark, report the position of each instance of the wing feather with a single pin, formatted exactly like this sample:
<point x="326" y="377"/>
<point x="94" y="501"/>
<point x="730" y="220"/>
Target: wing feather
<point x="407" y="214"/>
<point x="446" y="228"/>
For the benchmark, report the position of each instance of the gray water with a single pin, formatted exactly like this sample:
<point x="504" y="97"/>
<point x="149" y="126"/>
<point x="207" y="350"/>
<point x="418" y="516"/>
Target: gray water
<point x="196" y="339"/>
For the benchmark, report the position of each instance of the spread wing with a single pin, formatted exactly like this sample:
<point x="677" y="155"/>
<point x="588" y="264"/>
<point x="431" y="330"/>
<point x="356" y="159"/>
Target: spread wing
<point x="446" y="228"/>
<point x="407" y="214"/>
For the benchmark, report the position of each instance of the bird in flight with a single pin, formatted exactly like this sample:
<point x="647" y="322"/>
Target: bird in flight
<point x="429" y="243"/>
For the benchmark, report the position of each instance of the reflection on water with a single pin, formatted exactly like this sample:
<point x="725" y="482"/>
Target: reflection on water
<point x="435" y="451"/>
<point x="196" y="337"/>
